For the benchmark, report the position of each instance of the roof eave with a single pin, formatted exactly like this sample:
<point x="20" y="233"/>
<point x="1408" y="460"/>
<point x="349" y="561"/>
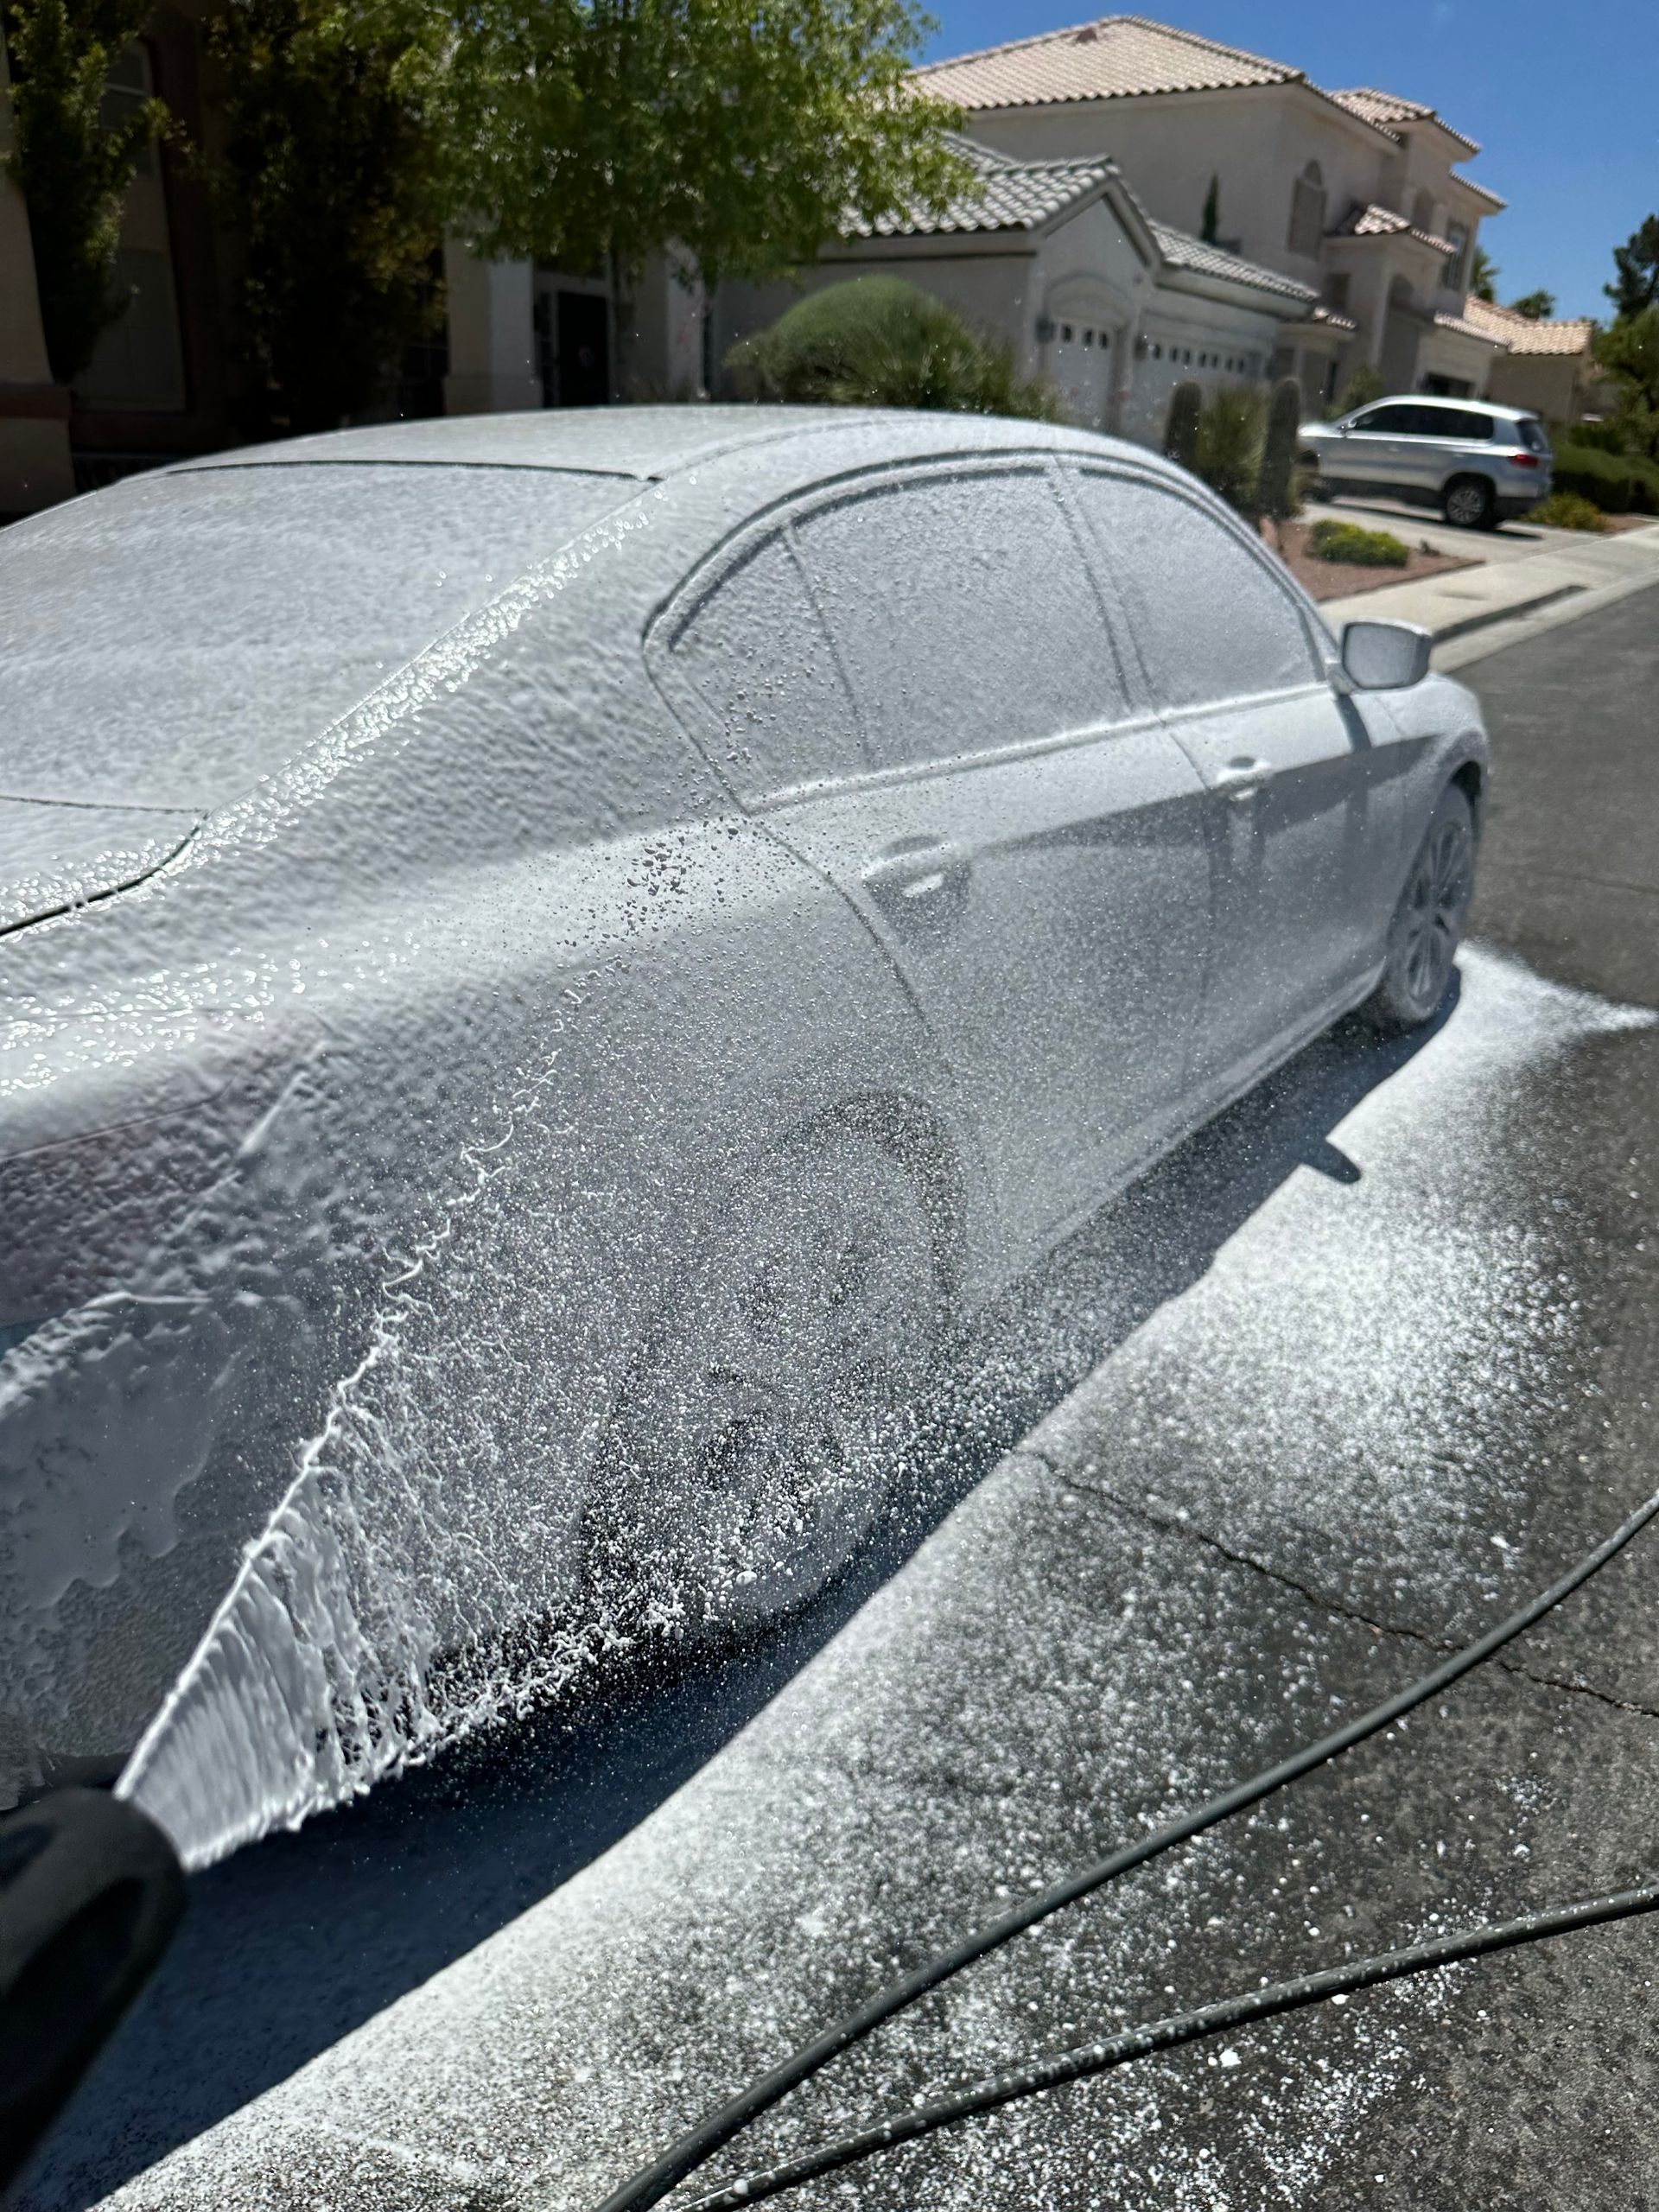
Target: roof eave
<point x="1234" y="291"/>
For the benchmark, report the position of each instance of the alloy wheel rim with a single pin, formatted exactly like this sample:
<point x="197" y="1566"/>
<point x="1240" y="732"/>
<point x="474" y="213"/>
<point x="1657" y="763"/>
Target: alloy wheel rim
<point x="1436" y="902"/>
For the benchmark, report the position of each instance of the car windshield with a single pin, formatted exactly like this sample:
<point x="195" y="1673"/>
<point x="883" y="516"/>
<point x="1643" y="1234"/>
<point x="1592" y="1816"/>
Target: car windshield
<point x="169" y="645"/>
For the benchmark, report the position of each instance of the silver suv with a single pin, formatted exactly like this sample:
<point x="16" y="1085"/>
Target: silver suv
<point x="1478" y="463"/>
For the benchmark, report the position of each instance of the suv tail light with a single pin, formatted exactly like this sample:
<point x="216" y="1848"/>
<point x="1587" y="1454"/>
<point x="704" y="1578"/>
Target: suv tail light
<point x="1523" y="460"/>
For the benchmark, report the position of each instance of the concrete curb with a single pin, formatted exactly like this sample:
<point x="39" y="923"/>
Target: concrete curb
<point x="1495" y="614"/>
<point x="1465" y="642"/>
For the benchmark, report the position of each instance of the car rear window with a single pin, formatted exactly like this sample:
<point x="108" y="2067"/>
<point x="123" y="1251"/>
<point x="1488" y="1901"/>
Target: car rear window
<point x="1530" y="432"/>
<point x="169" y="642"/>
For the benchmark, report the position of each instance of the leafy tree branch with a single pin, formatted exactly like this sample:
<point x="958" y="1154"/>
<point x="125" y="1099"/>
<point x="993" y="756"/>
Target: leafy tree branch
<point x="72" y="164"/>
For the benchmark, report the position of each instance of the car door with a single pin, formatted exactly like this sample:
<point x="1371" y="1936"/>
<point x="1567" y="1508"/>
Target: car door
<point x="1304" y="804"/>
<point x="1449" y="440"/>
<point x="1031" y="844"/>
<point x="1378" y="448"/>
<point x="1022" y="834"/>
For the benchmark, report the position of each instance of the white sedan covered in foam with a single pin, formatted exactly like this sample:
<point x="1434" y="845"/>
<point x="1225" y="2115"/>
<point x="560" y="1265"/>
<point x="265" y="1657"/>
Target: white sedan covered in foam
<point x="544" y="959"/>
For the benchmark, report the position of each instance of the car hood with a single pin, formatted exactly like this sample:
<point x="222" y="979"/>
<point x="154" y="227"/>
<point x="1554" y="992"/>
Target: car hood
<point x="56" y="855"/>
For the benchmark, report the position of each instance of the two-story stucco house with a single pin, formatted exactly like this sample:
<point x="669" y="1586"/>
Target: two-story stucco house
<point x="1356" y="194"/>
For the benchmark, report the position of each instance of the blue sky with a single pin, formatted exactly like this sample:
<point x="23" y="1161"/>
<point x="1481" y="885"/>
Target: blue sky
<point x="1564" y="104"/>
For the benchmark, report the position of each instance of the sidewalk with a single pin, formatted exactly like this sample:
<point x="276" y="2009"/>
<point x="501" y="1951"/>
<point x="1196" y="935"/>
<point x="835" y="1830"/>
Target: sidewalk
<point x="1524" y="570"/>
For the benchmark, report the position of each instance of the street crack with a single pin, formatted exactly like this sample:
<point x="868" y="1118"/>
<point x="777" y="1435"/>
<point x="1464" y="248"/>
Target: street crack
<point x="1324" y="1601"/>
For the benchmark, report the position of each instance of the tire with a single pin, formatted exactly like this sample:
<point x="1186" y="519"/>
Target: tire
<point x="1470" y="503"/>
<point x="1427" y="925"/>
<point x="757" y="1437"/>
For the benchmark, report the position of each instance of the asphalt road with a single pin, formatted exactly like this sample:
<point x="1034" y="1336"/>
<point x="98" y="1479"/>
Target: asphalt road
<point x="1367" y="1363"/>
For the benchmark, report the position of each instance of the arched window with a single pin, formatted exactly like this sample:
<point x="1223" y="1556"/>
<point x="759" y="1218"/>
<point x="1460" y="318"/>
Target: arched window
<point x="1307" y="211"/>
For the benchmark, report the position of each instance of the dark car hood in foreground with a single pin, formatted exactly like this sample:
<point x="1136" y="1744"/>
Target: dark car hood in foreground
<point x="54" y="855"/>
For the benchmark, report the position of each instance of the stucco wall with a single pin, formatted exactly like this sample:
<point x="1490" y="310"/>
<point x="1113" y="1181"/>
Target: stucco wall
<point x="1548" y="383"/>
<point x="1256" y="141"/>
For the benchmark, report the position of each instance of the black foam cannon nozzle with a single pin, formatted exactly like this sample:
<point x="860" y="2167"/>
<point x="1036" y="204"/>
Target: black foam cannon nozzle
<point x="91" y="1891"/>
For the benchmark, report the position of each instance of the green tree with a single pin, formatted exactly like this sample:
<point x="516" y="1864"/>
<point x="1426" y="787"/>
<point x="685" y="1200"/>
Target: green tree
<point x="1483" y="276"/>
<point x="877" y="341"/>
<point x="336" y="178"/>
<point x="1636" y="287"/>
<point x="1537" y="307"/>
<point x="1629" y="350"/>
<point x="600" y="132"/>
<point x="72" y="165"/>
<point x="1209" y="221"/>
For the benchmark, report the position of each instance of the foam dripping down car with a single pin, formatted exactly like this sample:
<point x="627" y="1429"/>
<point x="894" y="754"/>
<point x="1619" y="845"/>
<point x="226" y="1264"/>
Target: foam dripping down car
<point x="548" y="959"/>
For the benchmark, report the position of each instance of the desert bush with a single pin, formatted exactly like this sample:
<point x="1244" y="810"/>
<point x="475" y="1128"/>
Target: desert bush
<point x="1366" y="549"/>
<point x="1568" y="511"/>
<point x="1364" y="384"/>
<point x="1231" y="428"/>
<point x="877" y="341"/>
<point x="1181" y="429"/>
<point x="1279" y="491"/>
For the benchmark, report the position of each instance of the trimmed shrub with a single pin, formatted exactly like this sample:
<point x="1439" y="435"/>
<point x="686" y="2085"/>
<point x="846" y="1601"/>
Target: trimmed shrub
<point x="1605" y="437"/>
<point x="1365" y="549"/>
<point x="877" y="341"/>
<point x="1181" y="431"/>
<point x="1618" y="483"/>
<point x="1568" y="511"/>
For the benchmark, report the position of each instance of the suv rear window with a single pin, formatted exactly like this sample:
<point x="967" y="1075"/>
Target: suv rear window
<point x="1530" y="432"/>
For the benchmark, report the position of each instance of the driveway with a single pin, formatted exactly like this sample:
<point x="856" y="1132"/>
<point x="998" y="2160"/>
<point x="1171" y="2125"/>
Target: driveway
<point x="1367" y="1363"/>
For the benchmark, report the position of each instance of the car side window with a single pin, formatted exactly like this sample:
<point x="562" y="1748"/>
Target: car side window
<point x="1212" y="621"/>
<point x="750" y="644"/>
<point x="963" y="611"/>
<point x="1382" y="422"/>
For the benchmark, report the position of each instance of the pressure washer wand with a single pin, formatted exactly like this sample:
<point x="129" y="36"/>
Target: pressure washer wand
<point x="91" y="1891"/>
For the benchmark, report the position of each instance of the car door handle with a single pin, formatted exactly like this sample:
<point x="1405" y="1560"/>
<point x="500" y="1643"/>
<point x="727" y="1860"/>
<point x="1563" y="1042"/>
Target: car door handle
<point x="1242" y="778"/>
<point x="918" y="877"/>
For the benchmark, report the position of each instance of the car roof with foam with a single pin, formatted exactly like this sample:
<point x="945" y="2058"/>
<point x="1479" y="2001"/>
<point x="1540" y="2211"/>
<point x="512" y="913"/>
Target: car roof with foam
<point x="644" y="444"/>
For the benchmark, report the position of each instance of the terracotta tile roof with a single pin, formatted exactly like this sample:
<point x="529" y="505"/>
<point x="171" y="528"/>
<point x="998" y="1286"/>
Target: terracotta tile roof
<point x="1332" y="318"/>
<point x="1466" y="328"/>
<point x="1386" y="109"/>
<point x="1010" y="196"/>
<point x="1181" y="251"/>
<point x="1493" y="200"/>
<point x="1521" y="336"/>
<point x="1374" y="222"/>
<point x="1113" y="58"/>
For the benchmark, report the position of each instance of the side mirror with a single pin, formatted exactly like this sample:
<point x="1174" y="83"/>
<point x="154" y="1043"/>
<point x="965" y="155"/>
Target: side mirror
<point x="1384" y="656"/>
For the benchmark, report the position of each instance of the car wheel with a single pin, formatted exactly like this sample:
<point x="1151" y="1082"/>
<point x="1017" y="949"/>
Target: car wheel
<point x="757" y="1438"/>
<point x="1470" y="503"/>
<point x="1427" y="925"/>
